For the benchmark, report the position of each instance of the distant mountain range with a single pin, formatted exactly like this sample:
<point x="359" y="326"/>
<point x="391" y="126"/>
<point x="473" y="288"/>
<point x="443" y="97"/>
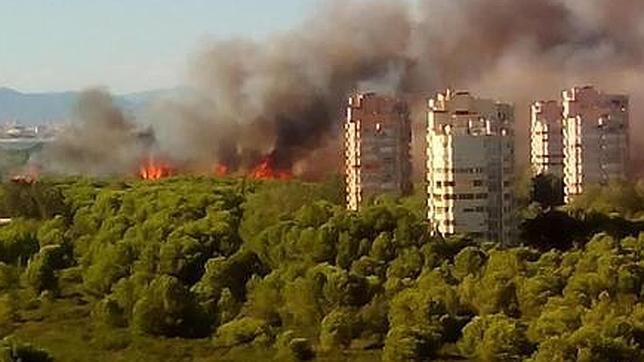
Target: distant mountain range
<point x="38" y="108"/>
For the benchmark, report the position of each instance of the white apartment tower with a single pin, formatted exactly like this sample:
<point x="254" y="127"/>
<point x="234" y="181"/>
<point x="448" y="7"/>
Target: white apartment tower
<point x="377" y="148"/>
<point x="470" y="166"/>
<point x="595" y="138"/>
<point x="546" y="140"/>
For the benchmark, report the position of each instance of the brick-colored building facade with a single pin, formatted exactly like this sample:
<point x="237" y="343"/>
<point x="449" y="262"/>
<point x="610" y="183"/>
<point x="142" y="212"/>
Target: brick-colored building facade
<point x="546" y="138"/>
<point x="377" y="148"/>
<point x="595" y="138"/>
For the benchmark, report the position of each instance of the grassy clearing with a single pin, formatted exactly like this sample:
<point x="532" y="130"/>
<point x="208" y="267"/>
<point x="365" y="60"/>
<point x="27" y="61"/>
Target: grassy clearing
<point x="65" y="329"/>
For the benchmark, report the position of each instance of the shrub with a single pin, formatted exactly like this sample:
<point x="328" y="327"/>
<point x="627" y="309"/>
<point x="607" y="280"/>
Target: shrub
<point x="41" y="271"/>
<point x="13" y="351"/>
<point x="291" y="348"/>
<point x="241" y="331"/>
<point x="495" y="337"/>
<point x="410" y="344"/>
<point x="337" y="329"/>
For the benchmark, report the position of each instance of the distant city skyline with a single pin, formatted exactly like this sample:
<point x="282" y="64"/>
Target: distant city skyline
<point x="127" y="46"/>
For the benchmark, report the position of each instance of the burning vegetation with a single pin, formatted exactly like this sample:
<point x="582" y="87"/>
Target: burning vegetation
<point x="267" y="170"/>
<point x="24" y="179"/>
<point x="221" y="170"/>
<point x="27" y="176"/>
<point x="152" y="169"/>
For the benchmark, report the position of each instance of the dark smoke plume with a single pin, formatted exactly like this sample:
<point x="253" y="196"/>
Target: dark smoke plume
<point x="285" y="95"/>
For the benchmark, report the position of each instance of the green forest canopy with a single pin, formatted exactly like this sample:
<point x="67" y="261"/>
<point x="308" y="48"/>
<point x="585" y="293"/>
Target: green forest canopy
<point x="282" y="269"/>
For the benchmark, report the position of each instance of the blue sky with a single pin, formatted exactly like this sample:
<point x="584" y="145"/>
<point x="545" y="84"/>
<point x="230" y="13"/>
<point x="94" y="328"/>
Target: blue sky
<point x="126" y="45"/>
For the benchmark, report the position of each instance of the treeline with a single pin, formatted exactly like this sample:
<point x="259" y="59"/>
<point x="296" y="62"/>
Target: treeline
<point x="545" y="223"/>
<point x="283" y="268"/>
<point x="12" y="160"/>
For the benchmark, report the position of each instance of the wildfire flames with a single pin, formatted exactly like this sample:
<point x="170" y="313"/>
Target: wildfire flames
<point x="221" y="170"/>
<point x="267" y="170"/>
<point x="154" y="170"/>
<point x="27" y="177"/>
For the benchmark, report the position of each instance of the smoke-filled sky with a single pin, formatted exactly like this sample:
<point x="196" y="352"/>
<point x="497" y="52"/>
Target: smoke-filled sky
<point x="284" y="95"/>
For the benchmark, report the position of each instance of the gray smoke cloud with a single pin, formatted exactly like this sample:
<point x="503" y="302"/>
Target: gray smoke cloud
<point x="101" y="141"/>
<point x="284" y="95"/>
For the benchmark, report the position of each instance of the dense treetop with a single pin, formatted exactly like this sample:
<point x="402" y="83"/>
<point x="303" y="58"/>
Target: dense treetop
<point x="283" y="268"/>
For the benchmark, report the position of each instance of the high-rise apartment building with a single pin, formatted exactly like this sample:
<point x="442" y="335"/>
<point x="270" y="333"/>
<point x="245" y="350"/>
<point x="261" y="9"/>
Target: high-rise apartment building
<point x="377" y="148"/>
<point x="595" y="138"/>
<point x="418" y="103"/>
<point x="470" y="166"/>
<point x="546" y="140"/>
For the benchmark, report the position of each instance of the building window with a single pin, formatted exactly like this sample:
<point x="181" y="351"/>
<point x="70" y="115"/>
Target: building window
<point x="466" y="196"/>
<point x="477" y="183"/>
<point x="477" y="210"/>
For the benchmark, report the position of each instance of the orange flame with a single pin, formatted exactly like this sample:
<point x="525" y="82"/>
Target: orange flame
<point x="154" y="170"/>
<point x="28" y="176"/>
<point x="266" y="170"/>
<point x="221" y="170"/>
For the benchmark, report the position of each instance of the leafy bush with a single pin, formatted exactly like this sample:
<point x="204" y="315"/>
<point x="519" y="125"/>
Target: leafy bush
<point x="242" y="331"/>
<point x="40" y="275"/>
<point x="13" y="351"/>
